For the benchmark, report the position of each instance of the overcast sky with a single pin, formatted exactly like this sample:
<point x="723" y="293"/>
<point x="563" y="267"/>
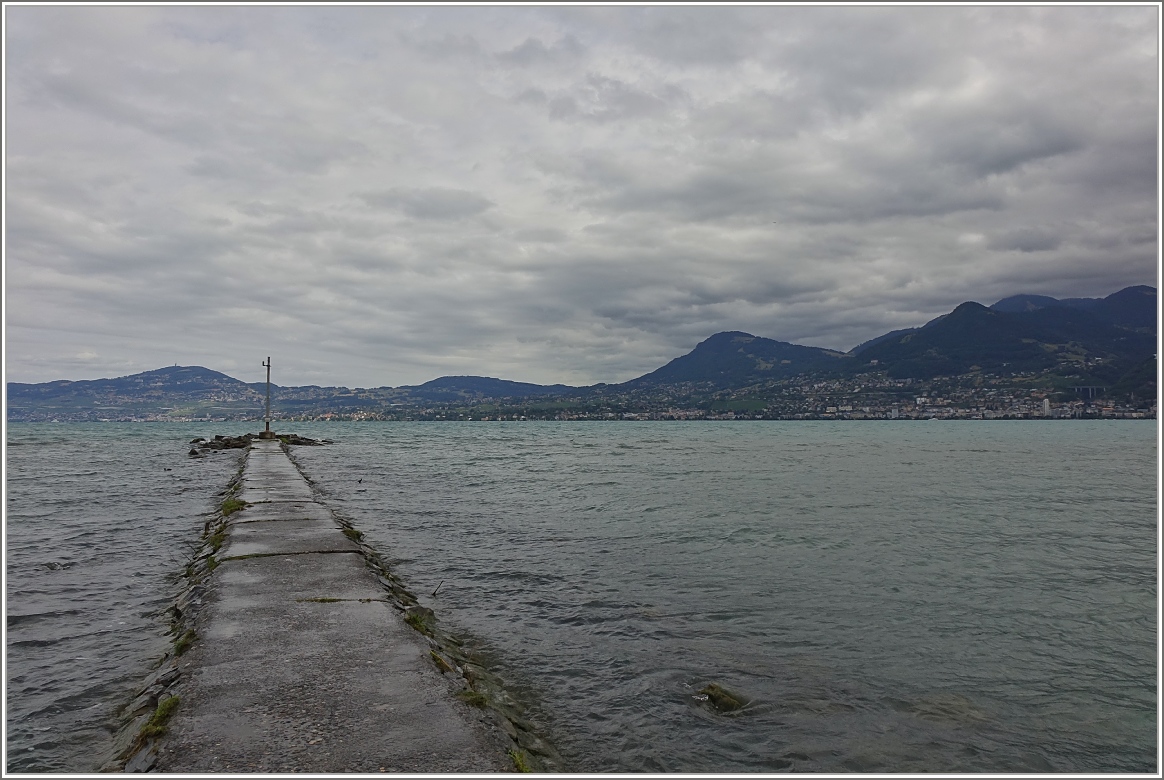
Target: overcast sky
<point x="383" y="195"/>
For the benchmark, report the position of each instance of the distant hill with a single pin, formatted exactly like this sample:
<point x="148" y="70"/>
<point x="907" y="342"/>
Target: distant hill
<point x="191" y="380"/>
<point x="974" y="337"/>
<point x="193" y="392"/>
<point x="733" y="359"/>
<point x="449" y="388"/>
<point x="178" y="389"/>
<point x="1016" y="304"/>
<point x="893" y="334"/>
<point x="1139" y="381"/>
<point x="1023" y="334"/>
<point x="1131" y="307"/>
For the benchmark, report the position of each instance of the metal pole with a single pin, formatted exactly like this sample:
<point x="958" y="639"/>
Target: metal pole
<point x="267" y="419"/>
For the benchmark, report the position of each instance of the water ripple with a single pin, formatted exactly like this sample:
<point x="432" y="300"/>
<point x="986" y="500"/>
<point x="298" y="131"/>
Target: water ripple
<point x="889" y="598"/>
<point x="95" y="532"/>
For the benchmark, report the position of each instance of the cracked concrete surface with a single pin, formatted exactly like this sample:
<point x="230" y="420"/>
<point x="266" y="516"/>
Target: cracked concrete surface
<point x="283" y="679"/>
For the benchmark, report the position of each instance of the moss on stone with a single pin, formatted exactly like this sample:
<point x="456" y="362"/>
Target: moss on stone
<point x="441" y="663"/>
<point x="473" y="698"/>
<point x="232" y="505"/>
<point x="520" y="762"/>
<point x="161" y="718"/>
<point x="182" y="643"/>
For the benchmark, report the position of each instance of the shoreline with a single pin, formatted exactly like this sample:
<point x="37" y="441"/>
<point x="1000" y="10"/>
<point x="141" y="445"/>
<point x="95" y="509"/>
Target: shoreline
<point x="611" y="419"/>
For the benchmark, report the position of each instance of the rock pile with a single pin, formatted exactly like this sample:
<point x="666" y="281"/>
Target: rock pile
<point x="294" y="438"/>
<point x="202" y="446"/>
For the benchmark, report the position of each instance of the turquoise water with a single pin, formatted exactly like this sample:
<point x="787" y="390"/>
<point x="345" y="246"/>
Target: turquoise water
<point x="887" y="596"/>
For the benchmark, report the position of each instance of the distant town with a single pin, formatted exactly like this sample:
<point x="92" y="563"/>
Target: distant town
<point x="872" y="396"/>
<point x="865" y="397"/>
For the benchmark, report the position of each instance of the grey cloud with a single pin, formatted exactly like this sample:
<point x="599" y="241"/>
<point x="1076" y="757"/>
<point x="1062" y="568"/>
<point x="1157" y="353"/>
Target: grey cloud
<point x="465" y="46"/>
<point x="601" y="99"/>
<point x="1030" y="239"/>
<point x="218" y="167"/>
<point x="195" y="184"/>
<point x="312" y="154"/>
<point x="767" y="189"/>
<point x="532" y="96"/>
<point x="989" y="142"/>
<point x="430" y="203"/>
<point x="1122" y="165"/>
<point x="541" y="235"/>
<point x="700" y="35"/>
<point x="296" y="148"/>
<point x="847" y="61"/>
<point x="535" y="53"/>
<point x="761" y="115"/>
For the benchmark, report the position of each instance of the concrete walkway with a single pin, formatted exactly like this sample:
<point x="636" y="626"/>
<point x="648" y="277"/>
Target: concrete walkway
<point x="284" y="679"/>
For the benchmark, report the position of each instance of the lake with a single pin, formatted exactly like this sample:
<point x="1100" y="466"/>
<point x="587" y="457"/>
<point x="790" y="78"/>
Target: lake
<point x="886" y="596"/>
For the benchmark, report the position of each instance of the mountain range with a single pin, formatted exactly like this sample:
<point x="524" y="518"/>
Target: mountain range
<point x="1097" y="342"/>
<point x="1020" y="334"/>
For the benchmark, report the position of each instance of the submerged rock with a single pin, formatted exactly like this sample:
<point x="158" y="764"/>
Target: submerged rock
<point x="143" y="760"/>
<point x="420" y="618"/>
<point x="950" y="707"/>
<point x="722" y="699"/>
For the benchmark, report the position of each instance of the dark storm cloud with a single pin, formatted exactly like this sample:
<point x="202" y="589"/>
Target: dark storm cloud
<point x="382" y="195"/>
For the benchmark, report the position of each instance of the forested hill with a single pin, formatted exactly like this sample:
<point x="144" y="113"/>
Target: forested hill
<point x="448" y="388"/>
<point x="976" y="338"/>
<point x="1095" y="340"/>
<point x="1131" y="307"/>
<point x="733" y="359"/>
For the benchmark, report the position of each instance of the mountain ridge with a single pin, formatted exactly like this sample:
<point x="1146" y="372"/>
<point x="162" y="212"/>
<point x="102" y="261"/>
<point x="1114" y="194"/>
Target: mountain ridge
<point x="1099" y="341"/>
<point x="1133" y="307"/>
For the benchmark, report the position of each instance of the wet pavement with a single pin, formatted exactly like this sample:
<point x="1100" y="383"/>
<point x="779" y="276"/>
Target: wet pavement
<point x="302" y="663"/>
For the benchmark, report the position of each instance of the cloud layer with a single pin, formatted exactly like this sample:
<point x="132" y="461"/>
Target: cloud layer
<point x="382" y="195"/>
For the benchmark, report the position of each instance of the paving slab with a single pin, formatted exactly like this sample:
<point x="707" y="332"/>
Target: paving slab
<point x="281" y="511"/>
<point x="294" y="577"/>
<point x="303" y="665"/>
<point x="280" y="490"/>
<point x="288" y="536"/>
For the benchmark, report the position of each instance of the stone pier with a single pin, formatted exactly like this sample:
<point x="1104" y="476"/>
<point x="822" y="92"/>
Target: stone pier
<point x="302" y="663"/>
